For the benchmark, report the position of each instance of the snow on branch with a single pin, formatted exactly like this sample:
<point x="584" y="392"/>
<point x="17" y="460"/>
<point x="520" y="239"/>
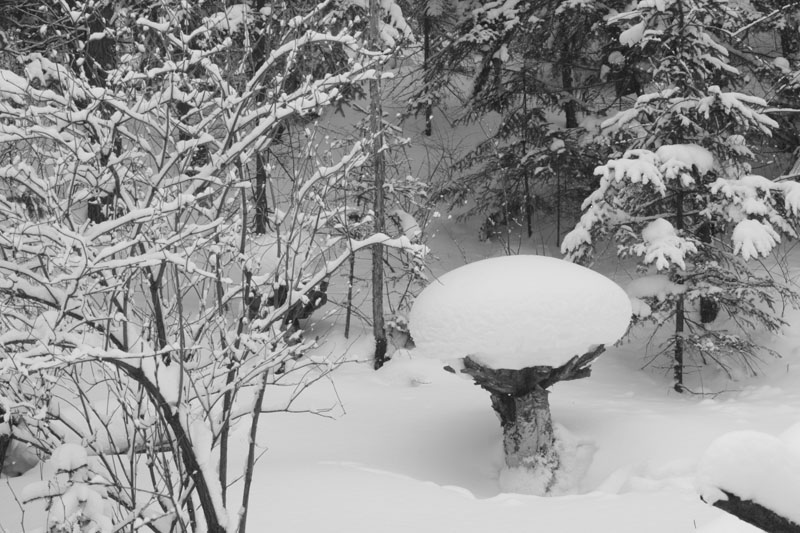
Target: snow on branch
<point x="663" y="246"/>
<point x="754" y="238"/>
<point x="757" y="209"/>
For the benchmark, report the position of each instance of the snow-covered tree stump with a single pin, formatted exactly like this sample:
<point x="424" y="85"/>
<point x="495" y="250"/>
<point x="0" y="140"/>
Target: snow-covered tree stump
<point x="520" y="398"/>
<point x="517" y="323"/>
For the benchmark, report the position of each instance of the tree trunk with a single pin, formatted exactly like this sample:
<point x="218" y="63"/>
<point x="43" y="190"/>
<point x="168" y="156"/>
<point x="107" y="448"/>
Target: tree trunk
<point x="709" y="307"/>
<point x="520" y="398"/>
<point x="570" y="106"/>
<point x="379" y="169"/>
<point x="680" y="316"/>
<point x="262" y="209"/>
<point x="526" y="176"/>
<point x="426" y="48"/>
<point x="679" y="344"/>
<point x="5" y="440"/>
<point x="528" y="439"/>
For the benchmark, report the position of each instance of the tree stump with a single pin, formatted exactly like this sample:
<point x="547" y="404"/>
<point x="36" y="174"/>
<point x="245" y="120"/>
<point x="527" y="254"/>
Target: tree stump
<point x="520" y="398"/>
<point x="528" y="439"/>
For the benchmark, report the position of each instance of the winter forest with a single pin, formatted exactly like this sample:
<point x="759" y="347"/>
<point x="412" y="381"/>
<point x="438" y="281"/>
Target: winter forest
<point x="318" y="266"/>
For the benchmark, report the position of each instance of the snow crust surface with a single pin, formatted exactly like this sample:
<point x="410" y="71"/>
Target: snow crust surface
<point x="518" y="311"/>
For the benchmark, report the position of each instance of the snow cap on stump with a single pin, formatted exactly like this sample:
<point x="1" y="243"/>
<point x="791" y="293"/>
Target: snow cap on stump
<point x="518" y="311"/>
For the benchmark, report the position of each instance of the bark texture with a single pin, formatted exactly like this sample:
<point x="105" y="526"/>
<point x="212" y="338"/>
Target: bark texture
<point x="379" y="176"/>
<point x="520" y="398"/>
<point x="528" y="439"/>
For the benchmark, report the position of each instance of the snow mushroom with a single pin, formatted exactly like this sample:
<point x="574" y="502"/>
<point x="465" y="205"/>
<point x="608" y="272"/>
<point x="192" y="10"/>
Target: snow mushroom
<point x="520" y="324"/>
<point x="519" y="311"/>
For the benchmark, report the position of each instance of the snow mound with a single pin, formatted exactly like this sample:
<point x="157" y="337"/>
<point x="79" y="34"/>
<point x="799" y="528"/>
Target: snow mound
<point x="753" y="466"/>
<point x="518" y="311"/>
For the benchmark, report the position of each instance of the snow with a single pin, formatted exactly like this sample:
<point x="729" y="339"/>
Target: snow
<point x="753" y="466"/>
<point x="663" y="246"/>
<point x="782" y="64"/>
<point x="231" y="19"/>
<point x="414" y="448"/>
<point x="434" y="463"/>
<point x="752" y="238"/>
<point x="574" y="458"/>
<point x="407" y="223"/>
<point x="69" y="457"/>
<point x="688" y="154"/>
<point x="656" y="286"/>
<point x="76" y="503"/>
<point x="633" y="35"/>
<point x="518" y="311"/>
<point x="166" y="377"/>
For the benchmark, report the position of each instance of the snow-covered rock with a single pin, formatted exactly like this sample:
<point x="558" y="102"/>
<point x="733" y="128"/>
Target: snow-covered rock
<point x="518" y="311"/>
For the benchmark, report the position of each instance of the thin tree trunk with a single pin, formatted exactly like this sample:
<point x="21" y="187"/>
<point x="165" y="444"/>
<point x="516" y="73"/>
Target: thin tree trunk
<point x="5" y="441"/>
<point x="257" y="56"/>
<point x="349" y="313"/>
<point x="379" y="170"/>
<point x="426" y="50"/>
<point x="570" y="106"/>
<point x="558" y="208"/>
<point x="251" y="453"/>
<point x="679" y="352"/>
<point x="183" y="444"/>
<point x="262" y="209"/>
<point x="709" y="308"/>
<point x="680" y="316"/>
<point x="525" y="176"/>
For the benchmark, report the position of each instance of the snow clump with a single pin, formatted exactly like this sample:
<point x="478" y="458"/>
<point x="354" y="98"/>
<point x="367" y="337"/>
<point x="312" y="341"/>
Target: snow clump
<point x="657" y="286"/>
<point x="520" y="311"/>
<point x="691" y="155"/>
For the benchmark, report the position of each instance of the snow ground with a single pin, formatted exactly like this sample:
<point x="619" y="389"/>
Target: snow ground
<point x="415" y="448"/>
<point x="419" y="449"/>
<point x="412" y="448"/>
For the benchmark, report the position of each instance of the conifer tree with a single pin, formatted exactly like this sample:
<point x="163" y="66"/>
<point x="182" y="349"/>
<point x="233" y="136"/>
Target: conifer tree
<point x="680" y="197"/>
<point x="532" y="64"/>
